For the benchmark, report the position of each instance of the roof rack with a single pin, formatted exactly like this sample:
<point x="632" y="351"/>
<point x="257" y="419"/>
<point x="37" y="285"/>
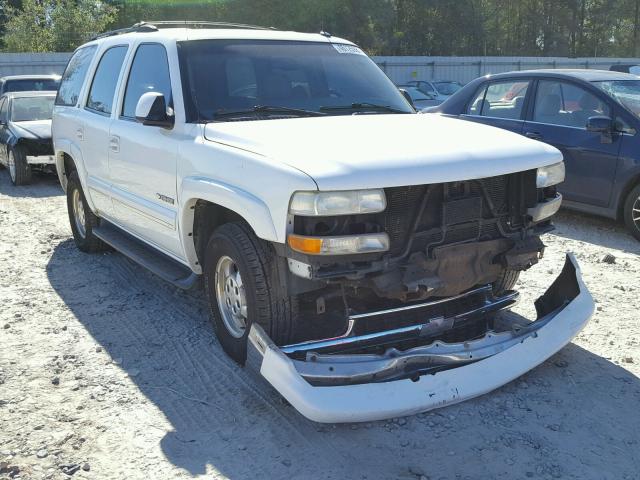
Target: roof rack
<point x="154" y="26"/>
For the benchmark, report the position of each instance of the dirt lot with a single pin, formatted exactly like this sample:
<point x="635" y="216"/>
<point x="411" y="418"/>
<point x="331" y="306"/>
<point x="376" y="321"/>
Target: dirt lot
<point x="107" y="372"/>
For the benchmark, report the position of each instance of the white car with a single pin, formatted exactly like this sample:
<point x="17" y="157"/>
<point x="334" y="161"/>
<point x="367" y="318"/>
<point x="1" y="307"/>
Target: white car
<point x="353" y="252"/>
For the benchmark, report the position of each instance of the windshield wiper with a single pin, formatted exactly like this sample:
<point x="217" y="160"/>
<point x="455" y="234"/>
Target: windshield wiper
<point x="362" y="107"/>
<point x="267" y="109"/>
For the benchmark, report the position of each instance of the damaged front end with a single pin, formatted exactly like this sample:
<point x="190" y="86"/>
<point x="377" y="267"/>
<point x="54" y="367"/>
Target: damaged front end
<point x="370" y="373"/>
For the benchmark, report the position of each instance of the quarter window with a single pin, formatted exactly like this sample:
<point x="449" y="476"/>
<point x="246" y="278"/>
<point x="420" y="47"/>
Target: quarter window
<point x="149" y="73"/>
<point x="74" y="76"/>
<point x="565" y="104"/>
<point x="500" y="100"/>
<point x="105" y="80"/>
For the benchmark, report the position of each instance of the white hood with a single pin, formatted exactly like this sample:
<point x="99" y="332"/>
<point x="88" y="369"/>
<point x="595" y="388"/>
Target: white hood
<point x="369" y="151"/>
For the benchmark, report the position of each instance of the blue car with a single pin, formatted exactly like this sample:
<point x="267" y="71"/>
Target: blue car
<point x="592" y="116"/>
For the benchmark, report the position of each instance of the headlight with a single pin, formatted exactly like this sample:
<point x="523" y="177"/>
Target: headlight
<point x="325" y="204"/>
<point x="344" y="245"/>
<point x="551" y="175"/>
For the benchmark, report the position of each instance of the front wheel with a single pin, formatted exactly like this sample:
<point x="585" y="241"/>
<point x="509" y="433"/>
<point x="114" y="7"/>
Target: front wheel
<point x="243" y="287"/>
<point x="506" y="281"/>
<point x="632" y="212"/>
<point x="19" y="169"/>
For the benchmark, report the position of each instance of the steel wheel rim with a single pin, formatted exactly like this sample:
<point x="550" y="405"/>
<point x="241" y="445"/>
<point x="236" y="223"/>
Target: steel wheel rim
<point x="78" y="212"/>
<point x="230" y="294"/>
<point x="635" y="213"/>
<point x="12" y="166"/>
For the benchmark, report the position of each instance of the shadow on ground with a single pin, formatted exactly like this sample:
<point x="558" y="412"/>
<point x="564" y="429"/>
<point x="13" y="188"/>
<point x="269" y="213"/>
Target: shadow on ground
<point x="42" y="185"/>
<point x="593" y="229"/>
<point x="570" y="418"/>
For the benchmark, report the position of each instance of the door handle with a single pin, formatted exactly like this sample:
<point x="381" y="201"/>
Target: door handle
<point x="80" y="134"/>
<point x="533" y="135"/>
<point x="114" y="143"/>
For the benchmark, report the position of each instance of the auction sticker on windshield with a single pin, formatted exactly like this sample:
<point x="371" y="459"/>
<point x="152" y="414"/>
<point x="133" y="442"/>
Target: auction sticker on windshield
<point x="347" y="49"/>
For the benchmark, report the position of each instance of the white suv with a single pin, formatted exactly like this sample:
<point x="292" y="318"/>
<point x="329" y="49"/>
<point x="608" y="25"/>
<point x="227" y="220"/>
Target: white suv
<point x="355" y="253"/>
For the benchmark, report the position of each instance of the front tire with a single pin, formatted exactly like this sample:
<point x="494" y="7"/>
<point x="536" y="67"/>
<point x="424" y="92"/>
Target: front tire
<point x="631" y="212"/>
<point x="243" y="286"/>
<point x="81" y="218"/>
<point x="19" y="169"/>
<point x="506" y="281"/>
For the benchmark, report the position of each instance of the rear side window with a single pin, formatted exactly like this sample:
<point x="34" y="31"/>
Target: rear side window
<point x="3" y="110"/>
<point x="105" y="80"/>
<point x="566" y="104"/>
<point x="149" y="73"/>
<point x="74" y="76"/>
<point x="500" y="100"/>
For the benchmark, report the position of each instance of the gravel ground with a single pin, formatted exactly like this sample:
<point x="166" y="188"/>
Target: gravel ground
<point x="107" y="372"/>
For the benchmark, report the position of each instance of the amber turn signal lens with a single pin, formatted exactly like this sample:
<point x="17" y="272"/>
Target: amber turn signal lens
<point x="309" y="245"/>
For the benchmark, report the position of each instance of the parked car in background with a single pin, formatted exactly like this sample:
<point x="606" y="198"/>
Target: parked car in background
<point x="420" y="99"/>
<point x="440" y="89"/>
<point x="625" y="68"/>
<point x="592" y="116"/>
<point x="24" y="83"/>
<point x="25" y="134"/>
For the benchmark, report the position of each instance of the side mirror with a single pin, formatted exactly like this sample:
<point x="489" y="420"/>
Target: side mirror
<point x="603" y="125"/>
<point x="152" y="110"/>
<point x="407" y="97"/>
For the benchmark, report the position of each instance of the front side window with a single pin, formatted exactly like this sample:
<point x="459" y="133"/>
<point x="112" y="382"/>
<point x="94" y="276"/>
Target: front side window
<point x="74" y="76"/>
<point x="28" y="109"/>
<point x="626" y="92"/>
<point x="500" y="100"/>
<point x="149" y="73"/>
<point x="566" y="104"/>
<point x="104" y="83"/>
<point x="223" y="77"/>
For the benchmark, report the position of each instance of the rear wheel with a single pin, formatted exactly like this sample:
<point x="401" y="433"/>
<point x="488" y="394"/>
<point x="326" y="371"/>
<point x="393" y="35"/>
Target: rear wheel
<point x="632" y="212"/>
<point x="244" y="287"/>
<point x="81" y="218"/>
<point x="19" y="169"/>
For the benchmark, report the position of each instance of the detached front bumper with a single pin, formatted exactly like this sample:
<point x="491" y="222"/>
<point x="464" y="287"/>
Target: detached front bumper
<point x="458" y="371"/>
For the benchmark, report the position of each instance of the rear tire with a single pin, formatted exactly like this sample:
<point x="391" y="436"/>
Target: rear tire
<point x="244" y="286"/>
<point x="19" y="169"/>
<point x="81" y="218"/>
<point x="632" y="211"/>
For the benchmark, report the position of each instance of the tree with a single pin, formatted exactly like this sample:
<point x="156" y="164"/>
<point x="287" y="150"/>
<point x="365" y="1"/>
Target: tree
<point x="54" y="25"/>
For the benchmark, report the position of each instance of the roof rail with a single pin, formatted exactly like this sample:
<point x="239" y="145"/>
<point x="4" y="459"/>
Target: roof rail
<point x="154" y="26"/>
<point x="202" y="24"/>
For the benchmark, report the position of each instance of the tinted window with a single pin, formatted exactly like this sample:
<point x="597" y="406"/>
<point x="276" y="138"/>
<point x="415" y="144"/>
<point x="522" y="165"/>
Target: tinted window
<point x="228" y="76"/>
<point x="566" y="104"/>
<point x="500" y="100"/>
<point x="30" y="85"/>
<point x="3" y="110"/>
<point x="105" y="80"/>
<point x="149" y="73"/>
<point x="74" y="75"/>
<point x="26" y="109"/>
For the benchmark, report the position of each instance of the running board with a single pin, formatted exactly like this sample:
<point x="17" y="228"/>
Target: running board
<point x="158" y="263"/>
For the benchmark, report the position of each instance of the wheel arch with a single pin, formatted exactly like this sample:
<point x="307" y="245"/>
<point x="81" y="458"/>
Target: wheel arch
<point x="622" y="197"/>
<point x="209" y="204"/>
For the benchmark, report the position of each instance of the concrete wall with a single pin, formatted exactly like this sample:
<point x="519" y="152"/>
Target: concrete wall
<point x="465" y="69"/>
<point x="25" y="63"/>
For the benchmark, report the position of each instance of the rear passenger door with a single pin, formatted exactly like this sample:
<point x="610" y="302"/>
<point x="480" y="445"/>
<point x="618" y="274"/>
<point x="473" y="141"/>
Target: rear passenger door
<point x="500" y="103"/>
<point x="559" y="117"/>
<point x="95" y="122"/>
<point x="142" y="158"/>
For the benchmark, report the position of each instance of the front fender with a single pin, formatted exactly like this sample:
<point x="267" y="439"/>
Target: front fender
<point x="251" y="208"/>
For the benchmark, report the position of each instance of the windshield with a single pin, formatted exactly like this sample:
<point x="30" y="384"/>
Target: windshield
<point x="447" y="88"/>
<point x="225" y="76"/>
<point x="627" y="92"/>
<point x="26" y="109"/>
<point x="31" y="85"/>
